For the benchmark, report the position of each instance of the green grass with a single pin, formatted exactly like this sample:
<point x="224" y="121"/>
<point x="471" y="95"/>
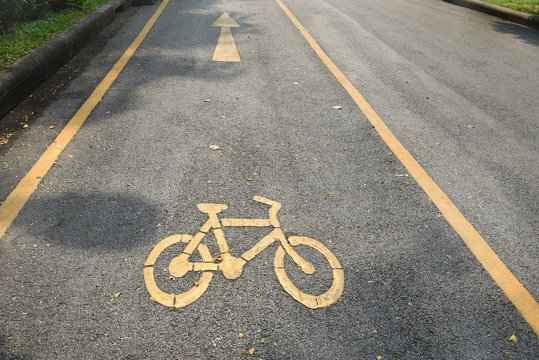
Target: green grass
<point x="527" y="6"/>
<point x="23" y="38"/>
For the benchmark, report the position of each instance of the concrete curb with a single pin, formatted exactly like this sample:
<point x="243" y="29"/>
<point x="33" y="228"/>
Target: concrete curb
<point x="500" y="11"/>
<point x="32" y="70"/>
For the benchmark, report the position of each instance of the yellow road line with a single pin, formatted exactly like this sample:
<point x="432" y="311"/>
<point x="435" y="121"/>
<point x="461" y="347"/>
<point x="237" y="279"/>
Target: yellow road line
<point x="515" y="291"/>
<point x="17" y="198"/>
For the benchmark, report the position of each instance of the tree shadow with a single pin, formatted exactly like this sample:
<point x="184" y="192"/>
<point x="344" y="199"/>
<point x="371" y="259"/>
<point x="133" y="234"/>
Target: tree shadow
<point x="530" y="36"/>
<point x="176" y="60"/>
<point x="9" y="355"/>
<point x="181" y="58"/>
<point x="103" y="221"/>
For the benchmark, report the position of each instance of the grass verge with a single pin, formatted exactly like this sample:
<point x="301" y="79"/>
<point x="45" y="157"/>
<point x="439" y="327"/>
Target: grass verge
<point x="527" y="6"/>
<point x="23" y="38"/>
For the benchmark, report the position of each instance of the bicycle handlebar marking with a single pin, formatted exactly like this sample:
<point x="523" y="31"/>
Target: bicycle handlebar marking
<point x="232" y="267"/>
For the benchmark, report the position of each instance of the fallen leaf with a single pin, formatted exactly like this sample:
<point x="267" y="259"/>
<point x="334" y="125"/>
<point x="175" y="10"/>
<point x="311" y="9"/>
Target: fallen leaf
<point x="207" y="100"/>
<point x="25" y="126"/>
<point x="130" y="184"/>
<point x="52" y="127"/>
<point x="470" y="126"/>
<point x="240" y="335"/>
<point x="379" y="357"/>
<point x="248" y="178"/>
<point x="337" y="107"/>
<point x="214" y="147"/>
<point x="508" y="353"/>
<point x="24" y="313"/>
<point x="251" y="351"/>
<point x="513" y="338"/>
<point x="117" y="294"/>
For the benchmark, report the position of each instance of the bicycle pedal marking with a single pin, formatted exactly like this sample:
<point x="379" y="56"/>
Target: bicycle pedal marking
<point x="231" y="266"/>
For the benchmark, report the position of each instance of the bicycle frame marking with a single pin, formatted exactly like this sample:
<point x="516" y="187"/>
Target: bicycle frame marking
<point x="232" y="267"/>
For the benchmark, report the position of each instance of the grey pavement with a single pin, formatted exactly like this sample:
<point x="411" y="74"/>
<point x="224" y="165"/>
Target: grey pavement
<point x="459" y="90"/>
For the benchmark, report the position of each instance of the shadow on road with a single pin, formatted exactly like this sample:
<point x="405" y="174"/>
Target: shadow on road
<point x="8" y="355"/>
<point x="104" y="221"/>
<point x="175" y="61"/>
<point x="171" y="57"/>
<point x="530" y="36"/>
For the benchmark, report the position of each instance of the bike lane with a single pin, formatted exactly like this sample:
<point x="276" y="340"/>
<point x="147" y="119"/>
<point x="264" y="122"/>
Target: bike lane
<point x="175" y="130"/>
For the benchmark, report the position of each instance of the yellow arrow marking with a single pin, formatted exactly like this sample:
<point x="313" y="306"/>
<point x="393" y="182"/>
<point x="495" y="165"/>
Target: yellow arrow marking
<point x="226" y="48"/>
<point x="225" y="21"/>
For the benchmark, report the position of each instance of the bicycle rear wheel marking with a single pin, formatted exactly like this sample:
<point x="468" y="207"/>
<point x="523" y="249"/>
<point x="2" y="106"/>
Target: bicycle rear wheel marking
<point x="187" y="297"/>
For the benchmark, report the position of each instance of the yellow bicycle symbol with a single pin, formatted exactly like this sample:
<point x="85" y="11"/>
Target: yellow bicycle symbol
<point x="232" y="267"/>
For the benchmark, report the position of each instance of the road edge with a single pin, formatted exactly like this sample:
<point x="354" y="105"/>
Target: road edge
<point x="28" y="73"/>
<point x="519" y="17"/>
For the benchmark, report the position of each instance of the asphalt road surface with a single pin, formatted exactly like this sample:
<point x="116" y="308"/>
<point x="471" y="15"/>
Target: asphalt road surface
<point x="175" y="129"/>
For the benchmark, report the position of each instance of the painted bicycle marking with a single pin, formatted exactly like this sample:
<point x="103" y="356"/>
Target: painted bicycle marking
<point x="232" y="267"/>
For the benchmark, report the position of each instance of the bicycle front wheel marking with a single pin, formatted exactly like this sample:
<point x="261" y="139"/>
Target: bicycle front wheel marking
<point x="187" y="297"/>
<point x="312" y="301"/>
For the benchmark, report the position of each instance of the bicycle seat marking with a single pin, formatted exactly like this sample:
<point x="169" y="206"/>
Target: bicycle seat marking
<point x="232" y="267"/>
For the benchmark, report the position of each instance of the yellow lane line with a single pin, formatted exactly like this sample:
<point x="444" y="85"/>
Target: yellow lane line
<point x="17" y="198"/>
<point x="515" y="291"/>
